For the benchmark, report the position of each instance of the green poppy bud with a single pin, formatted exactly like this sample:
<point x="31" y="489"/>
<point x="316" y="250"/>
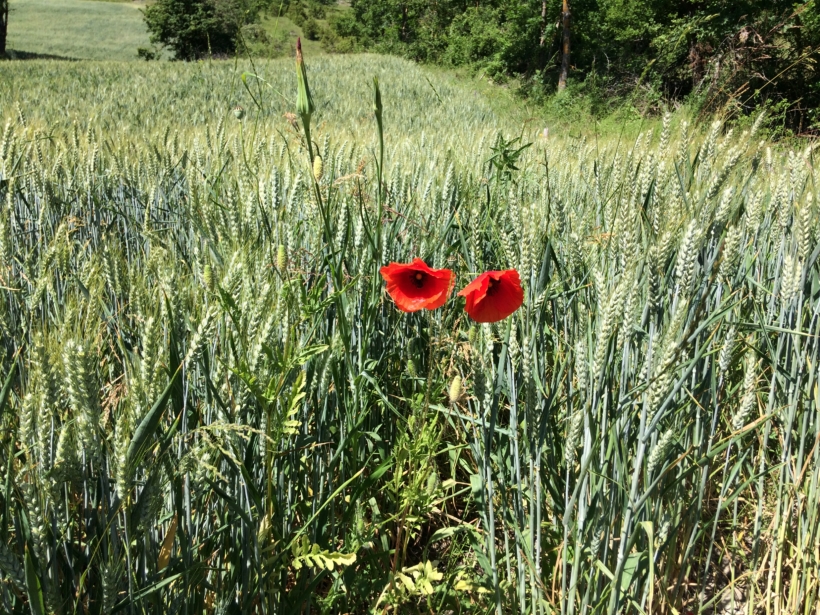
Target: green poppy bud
<point x="377" y="100"/>
<point x="304" y="101"/>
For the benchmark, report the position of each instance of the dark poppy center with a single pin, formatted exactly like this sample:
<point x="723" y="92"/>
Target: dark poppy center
<point x="493" y="287"/>
<point x="418" y="278"/>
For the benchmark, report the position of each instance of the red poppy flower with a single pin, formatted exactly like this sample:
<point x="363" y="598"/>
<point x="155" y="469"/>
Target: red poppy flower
<point x="493" y="295"/>
<point x="415" y="286"/>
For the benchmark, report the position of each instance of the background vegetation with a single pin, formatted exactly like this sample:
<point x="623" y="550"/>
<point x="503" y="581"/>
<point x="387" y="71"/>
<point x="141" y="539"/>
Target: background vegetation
<point x="743" y="54"/>
<point x="194" y="29"/>
<point x="627" y="56"/>
<point x="76" y="29"/>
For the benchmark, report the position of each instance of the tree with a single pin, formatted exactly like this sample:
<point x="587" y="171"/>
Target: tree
<point x="565" y="15"/>
<point x="499" y="36"/>
<point x="196" y="28"/>
<point x="4" y="25"/>
<point x="543" y="38"/>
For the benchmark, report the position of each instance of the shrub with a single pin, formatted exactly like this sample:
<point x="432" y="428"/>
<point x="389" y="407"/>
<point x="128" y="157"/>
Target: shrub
<point x="146" y="53"/>
<point x="310" y="28"/>
<point x="255" y="34"/>
<point x="195" y="28"/>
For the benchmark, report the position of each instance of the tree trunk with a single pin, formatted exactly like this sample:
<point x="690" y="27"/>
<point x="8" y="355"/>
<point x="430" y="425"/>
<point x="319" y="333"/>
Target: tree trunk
<point x="4" y="25"/>
<point x="562" y="79"/>
<point x="543" y="23"/>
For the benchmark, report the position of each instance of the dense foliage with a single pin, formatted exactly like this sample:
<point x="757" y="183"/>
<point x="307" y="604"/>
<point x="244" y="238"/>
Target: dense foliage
<point x="196" y="28"/>
<point x="307" y="15"/>
<point x="209" y="405"/>
<point x="750" y="52"/>
<point x="4" y="26"/>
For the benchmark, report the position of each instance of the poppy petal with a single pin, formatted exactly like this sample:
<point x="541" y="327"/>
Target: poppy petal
<point x="493" y="295"/>
<point x="415" y="286"/>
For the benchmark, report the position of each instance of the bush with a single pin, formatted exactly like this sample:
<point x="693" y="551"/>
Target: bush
<point x="195" y="28"/>
<point x="253" y="33"/>
<point x="333" y="41"/>
<point x="310" y="28"/>
<point x="301" y="12"/>
<point x="144" y="53"/>
<point x="347" y="26"/>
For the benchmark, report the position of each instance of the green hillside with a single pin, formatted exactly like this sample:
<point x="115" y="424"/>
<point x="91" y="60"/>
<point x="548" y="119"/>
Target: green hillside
<point x="76" y="29"/>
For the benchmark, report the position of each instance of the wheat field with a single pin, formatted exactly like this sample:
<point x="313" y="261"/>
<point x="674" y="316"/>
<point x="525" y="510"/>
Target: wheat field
<point x="210" y="405"/>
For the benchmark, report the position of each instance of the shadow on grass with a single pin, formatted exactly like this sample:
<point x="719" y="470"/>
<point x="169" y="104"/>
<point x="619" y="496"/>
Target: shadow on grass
<point x="16" y="54"/>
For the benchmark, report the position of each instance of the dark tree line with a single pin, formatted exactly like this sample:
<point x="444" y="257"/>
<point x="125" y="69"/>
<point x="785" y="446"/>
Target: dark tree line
<point x="4" y="26"/>
<point x="746" y="51"/>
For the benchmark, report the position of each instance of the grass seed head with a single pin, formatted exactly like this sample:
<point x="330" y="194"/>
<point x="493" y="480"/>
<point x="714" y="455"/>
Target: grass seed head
<point x="318" y="168"/>
<point x="455" y="390"/>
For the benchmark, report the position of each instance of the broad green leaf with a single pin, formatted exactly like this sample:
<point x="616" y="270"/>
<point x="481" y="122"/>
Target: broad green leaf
<point x="33" y="587"/>
<point x="149" y="424"/>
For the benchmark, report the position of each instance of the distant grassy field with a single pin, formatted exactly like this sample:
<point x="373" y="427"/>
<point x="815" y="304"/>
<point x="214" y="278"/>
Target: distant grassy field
<point x="79" y="29"/>
<point x="114" y="29"/>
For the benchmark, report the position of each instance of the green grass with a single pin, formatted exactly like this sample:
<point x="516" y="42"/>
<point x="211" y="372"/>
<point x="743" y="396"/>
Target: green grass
<point x="76" y="29"/>
<point x="281" y="33"/>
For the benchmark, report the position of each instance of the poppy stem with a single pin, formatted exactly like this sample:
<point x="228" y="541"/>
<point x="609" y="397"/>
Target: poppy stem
<point x="377" y="111"/>
<point x="430" y="346"/>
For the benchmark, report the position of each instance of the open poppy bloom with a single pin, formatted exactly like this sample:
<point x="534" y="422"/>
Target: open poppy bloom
<point x="415" y="286"/>
<point x="493" y="295"/>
